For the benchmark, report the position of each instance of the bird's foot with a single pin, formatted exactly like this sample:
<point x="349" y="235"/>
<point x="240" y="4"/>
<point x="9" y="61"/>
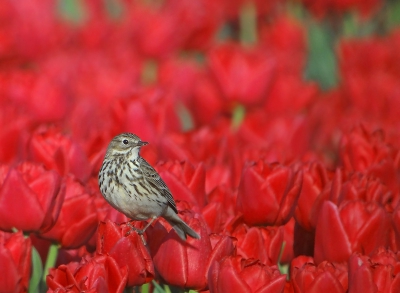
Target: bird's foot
<point x="140" y="232"/>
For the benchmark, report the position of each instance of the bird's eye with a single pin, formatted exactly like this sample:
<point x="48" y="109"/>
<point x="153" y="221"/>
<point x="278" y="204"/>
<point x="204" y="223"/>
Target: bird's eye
<point x="125" y="141"/>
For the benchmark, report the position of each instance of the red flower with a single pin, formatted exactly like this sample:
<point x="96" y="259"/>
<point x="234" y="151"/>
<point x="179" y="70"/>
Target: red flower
<point x="145" y="120"/>
<point x="264" y="244"/>
<point x="15" y="259"/>
<point x="186" y="182"/>
<point x="289" y="94"/>
<point x="268" y="193"/>
<point x="359" y="186"/>
<point x="30" y="197"/>
<point x="367" y="152"/>
<point x="77" y="221"/>
<point x="243" y="75"/>
<point x="284" y="136"/>
<point x="366" y="275"/>
<point x="182" y="264"/>
<point x="307" y="277"/>
<point x="59" y="153"/>
<point x="286" y="38"/>
<point x="236" y="274"/>
<point x="12" y="135"/>
<point x="156" y="30"/>
<point x="315" y="179"/>
<point x="97" y="274"/>
<point x="126" y="250"/>
<point x="322" y="8"/>
<point x="220" y="208"/>
<point x="354" y="226"/>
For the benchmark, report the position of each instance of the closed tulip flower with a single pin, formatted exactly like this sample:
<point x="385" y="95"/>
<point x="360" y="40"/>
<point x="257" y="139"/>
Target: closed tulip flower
<point x="98" y="274"/>
<point x="367" y="275"/>
<point x="182" y="264"/>
<point x="78" y="220"/>
<point x="354" y="226"/>
<point x="15" y="260"/>
<point x="60" y="153"/>
<point x="308" y="277"/>
<point x="30" y="197"/>
<point x="127" y="251"/>
<point x="268" y="193"/>
<point x="236" y="274"/>
<point x="264" y="244"/>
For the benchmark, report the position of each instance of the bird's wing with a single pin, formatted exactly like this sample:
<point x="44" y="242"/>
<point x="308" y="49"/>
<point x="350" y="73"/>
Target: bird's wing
<point x="152" y="176"/>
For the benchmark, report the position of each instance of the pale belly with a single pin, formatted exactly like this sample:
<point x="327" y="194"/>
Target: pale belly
<point x="135" y="207"/>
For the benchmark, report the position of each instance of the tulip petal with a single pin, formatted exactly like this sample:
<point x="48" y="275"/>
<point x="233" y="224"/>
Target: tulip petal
<point x="16" y="197"/>
<point x="331" y="241"/>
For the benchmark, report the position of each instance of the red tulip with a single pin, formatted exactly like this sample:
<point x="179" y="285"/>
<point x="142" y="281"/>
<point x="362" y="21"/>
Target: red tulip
<point x="12" y="135"/>
<point x="78" y="220"/>
<point x="396" y="227"/>
<point x="280" y="98"/>
<point x="283" y="136"/>
<point x="185" y="181"/>
<point x="353" y="227"/>
<point x="97" y="274"/>
<point x="288" y="251"/>
<point x="15" y="259"/>
<point x="182" y="264"/>
<point x="360" y="186"/>
<point x="367" y="276"/>
<point x="220" y="208"/>
<point x="59" y="153"/>
<point x="333" y="7"/>
<point x="243" y="75"/>
<point x="307" y="277"/>
<point x="369" y="153"/>
<point x="264" y="244"/>
<point x="287" y="39"/>
<point x="155" y="30"/>
<point x="206" y="104"/>
<point x="127" y="251"/>
<point x="315" y="179"/>
<point x="147" y="121"/>
<point x="268" y="193"/>
<point x="235" y="274"/>
<point x="30" y="197"/>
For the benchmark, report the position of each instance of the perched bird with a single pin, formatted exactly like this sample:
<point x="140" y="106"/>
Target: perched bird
<point x="135" y="189"/>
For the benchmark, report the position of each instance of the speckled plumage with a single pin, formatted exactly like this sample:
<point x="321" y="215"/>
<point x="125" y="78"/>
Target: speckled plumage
<point x="134" y="188"/>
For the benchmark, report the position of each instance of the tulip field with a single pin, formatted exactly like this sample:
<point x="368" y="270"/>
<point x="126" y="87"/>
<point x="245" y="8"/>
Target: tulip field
<point x="275" y="124"/>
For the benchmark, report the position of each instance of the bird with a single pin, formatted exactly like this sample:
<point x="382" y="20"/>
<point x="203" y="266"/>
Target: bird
<point x="133" y="187"/>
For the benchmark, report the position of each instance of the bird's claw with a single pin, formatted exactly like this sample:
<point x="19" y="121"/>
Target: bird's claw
<point x="138" y="231"/>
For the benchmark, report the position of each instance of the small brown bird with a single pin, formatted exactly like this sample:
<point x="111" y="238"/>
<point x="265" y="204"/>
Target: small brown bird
<point x="135" y="189"/>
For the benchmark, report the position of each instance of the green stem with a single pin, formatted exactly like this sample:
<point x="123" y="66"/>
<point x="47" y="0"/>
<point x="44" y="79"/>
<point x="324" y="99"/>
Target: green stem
<point x="248" y="24"/>
<point x="51" y="260"/>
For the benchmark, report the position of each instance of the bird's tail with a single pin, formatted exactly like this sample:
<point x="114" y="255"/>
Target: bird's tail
<point x="181" y="228"/>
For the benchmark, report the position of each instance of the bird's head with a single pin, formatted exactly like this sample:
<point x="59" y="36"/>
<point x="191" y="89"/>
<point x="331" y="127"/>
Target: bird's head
<point x="126" y="144"/>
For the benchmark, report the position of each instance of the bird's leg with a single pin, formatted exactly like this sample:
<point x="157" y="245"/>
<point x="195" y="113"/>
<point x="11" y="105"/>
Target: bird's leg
<point x="131" y="228"/>
<point x="141" y="231"/>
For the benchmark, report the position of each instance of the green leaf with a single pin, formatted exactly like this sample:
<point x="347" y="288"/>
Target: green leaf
<point x="238" y="115"/>
<point x="248" y="24"/>
<point x="322" y="63"/>
<point x="114" y="8"/>
<point x="51" y="259"/>
<point x="37" y="272"/>
<point x="158" y="288"/>
<point x="393" y="13"/>
<point x="185" y="117"/>
<point x="71" y="10"/>
<point x="282" y="268"/>
<point x="145" y="288"/>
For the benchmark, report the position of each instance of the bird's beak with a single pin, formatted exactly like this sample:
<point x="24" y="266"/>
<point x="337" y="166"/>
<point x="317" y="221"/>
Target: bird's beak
<point x="142" y="143"/>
